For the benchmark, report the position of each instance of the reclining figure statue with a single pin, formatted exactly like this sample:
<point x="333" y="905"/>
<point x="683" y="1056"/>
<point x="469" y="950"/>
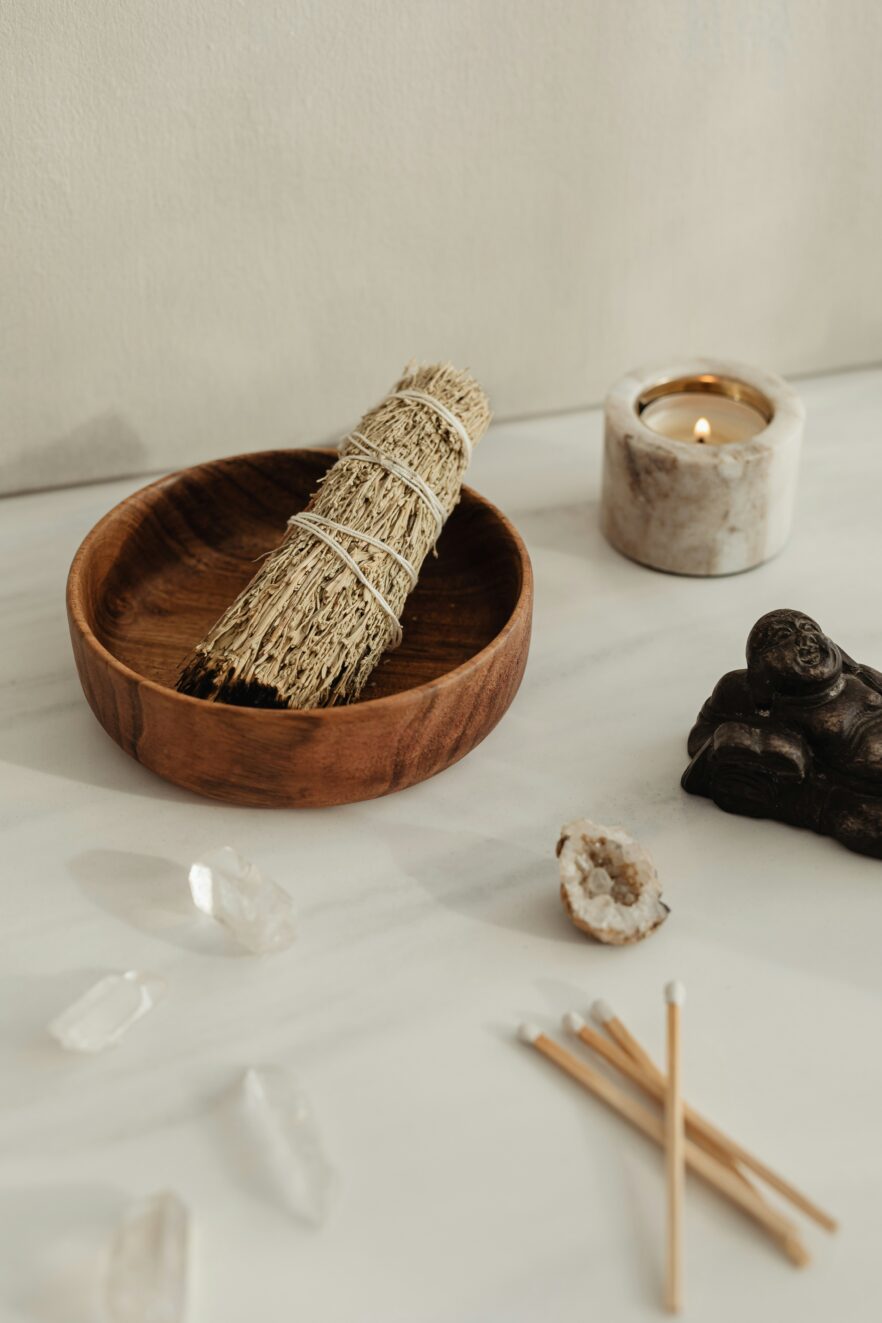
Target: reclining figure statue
<point x="796" y="736"/>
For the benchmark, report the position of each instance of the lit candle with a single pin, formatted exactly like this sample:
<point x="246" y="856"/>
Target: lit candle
<point x="700" y="464"/>
<point x="703" y="417"/>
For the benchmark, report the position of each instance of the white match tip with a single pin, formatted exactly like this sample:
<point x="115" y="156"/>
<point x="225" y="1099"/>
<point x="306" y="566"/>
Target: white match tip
<point x="675" y="993"/>
<point x="602" y="1012"/>
<point x="528" y="1033"/>
<point x="573" y="1022"/>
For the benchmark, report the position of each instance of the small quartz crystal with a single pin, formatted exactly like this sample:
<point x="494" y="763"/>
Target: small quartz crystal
<point x="285" y="1143"/>
<point x="231" y="889"/>
<point x="111" y="1006"/>
<point x="608" y="883"/>
<point x="147" y="1269"/>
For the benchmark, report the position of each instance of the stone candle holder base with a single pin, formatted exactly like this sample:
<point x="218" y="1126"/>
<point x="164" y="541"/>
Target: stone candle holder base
<point x="700" y="509"/>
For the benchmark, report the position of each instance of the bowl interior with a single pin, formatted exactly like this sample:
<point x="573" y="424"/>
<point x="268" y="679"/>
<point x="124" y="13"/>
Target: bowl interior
<point x="166" y="563"/>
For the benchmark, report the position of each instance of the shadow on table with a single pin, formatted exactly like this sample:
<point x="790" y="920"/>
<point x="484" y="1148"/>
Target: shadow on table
<point x="32" y="1064"/>
<point x="54" y="1241"/>
<point x="493" y="881"/>
<point x="152" y="894"/>
<point x="570" y="529"/>
<point x="101" y="447"/>
<point x="65" y="740"/>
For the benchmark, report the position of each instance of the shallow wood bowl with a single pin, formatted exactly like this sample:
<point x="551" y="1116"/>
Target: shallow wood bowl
<point x="160" y="568"/>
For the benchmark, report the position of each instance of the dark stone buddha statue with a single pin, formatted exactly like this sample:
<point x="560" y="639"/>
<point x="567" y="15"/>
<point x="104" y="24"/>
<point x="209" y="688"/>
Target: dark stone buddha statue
<point x="796" y="736"/>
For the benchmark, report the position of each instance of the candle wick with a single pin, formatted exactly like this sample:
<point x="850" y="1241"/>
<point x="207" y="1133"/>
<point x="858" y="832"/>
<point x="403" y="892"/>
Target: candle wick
<point x="701" y="431"/>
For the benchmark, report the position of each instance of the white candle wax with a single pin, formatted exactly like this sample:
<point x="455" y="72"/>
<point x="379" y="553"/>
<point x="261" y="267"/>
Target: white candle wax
<point x="702" y="418"/>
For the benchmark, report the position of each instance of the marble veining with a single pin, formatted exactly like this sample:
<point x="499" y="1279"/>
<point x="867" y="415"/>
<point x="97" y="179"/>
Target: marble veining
<point x="474" y="1184"/>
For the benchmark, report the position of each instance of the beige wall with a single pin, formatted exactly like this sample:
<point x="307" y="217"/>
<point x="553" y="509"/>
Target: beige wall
<point x="227" y="223"/>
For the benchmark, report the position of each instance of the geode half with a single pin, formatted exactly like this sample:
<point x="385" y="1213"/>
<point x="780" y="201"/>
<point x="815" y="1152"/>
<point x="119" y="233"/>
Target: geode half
<point x="608" y="883"/>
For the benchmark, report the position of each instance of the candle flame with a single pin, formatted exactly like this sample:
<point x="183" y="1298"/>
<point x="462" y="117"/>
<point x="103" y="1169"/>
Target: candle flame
<point x="701" y="431"/>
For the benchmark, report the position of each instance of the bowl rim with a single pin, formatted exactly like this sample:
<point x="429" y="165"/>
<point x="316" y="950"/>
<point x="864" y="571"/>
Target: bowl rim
<point x="343" y="712"/>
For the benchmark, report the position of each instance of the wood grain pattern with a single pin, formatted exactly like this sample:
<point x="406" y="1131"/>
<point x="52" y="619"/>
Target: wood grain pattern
<point x="158" y="569"/>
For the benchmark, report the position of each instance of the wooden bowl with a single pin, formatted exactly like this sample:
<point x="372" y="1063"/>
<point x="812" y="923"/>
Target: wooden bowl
<point x="160" y="568"/>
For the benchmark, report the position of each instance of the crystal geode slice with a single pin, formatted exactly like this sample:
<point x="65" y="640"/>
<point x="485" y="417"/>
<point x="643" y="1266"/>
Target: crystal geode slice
<point x="608" y="883"/>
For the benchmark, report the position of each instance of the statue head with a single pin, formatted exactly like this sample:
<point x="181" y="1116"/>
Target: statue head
<point x="789" y="653"/>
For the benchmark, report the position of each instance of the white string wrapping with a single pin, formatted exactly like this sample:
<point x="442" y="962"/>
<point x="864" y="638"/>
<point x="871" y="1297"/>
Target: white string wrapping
<point x="309" y="629"/>
<point x="318" y="525"/>
<point x="372" y="541"/>
<point x="421" y="397"/>
<point x="369" y="453"/>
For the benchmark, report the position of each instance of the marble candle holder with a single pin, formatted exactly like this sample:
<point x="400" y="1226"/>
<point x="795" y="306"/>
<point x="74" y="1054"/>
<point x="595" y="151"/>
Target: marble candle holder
<point x="696" y="502"/>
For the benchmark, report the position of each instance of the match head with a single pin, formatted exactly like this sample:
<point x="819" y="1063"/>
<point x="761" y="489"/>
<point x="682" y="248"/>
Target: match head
<point x="529" y="1033"/>
<point x="675" y="993"/>
<point x="573" y="1022"/>
<point x="602" y="1012"/>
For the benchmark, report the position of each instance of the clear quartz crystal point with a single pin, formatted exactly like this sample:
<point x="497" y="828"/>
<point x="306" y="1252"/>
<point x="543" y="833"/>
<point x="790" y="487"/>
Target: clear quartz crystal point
<point x="147" y="1270"/>
<point x="232" y="890"/>
<point x="111" y="1006"/>
<point x="286" y="1143"/>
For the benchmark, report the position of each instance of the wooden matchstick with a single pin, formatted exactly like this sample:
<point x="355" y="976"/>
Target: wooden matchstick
<point x="653" y="1084"/>
<point x="710" y="1170"/>
<point x="675" y="995"/>
<point x="606" y="1016"/>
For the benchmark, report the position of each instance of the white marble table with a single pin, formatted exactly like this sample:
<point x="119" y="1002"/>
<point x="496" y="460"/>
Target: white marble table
<point x="477" y="1186"/>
